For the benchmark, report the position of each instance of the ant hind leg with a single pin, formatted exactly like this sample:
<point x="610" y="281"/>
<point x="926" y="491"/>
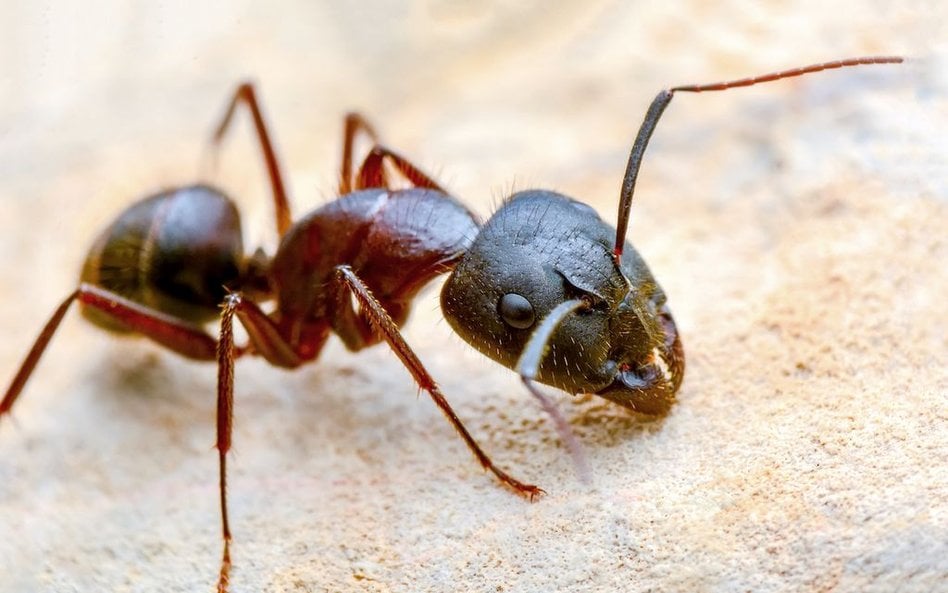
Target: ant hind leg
<point x="175" y="334"/>
<point x="246" y="94"/>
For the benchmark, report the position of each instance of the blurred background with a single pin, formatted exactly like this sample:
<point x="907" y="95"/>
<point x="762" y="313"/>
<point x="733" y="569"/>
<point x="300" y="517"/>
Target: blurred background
<point x="107" y="478"/>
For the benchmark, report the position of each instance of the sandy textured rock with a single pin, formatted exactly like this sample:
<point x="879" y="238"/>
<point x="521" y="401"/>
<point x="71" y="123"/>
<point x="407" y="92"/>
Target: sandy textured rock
<point x="798" y="228"/>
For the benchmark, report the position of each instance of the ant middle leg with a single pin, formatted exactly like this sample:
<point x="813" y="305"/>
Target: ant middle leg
<point x="388" y="330"/>
<point x="246" y="94"/>
<point x="268" y="341"/>
<point x="175" y="334"/>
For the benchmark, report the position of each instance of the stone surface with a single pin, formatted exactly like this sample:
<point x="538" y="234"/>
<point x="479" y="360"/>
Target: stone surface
<point x="799" y="229"/>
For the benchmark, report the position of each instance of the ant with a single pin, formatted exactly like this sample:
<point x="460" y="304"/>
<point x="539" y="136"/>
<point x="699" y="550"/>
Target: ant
<point x="545" y="286"/>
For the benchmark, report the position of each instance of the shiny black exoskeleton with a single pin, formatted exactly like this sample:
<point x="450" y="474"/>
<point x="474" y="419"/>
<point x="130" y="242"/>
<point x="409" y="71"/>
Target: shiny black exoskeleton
<point x="546" y="249"/>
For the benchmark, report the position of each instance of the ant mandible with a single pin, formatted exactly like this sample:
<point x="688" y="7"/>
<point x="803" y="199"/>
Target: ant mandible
<point x="545" y="287"/>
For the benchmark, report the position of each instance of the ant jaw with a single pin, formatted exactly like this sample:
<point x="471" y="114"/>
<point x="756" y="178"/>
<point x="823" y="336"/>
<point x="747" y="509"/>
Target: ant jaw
<point x="646" y="390"/>
<point x="648" y="386"/>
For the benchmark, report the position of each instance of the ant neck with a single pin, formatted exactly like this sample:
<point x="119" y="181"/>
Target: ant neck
<point x="255" y="280"/>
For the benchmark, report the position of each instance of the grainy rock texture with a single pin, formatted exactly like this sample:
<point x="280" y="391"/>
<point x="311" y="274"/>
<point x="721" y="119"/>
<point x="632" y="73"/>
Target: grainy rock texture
<point x="798" y="228"/>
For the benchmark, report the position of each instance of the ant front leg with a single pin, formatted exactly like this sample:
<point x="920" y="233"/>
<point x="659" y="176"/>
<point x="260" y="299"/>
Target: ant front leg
<point x="354" y="123"/>
<point x="386" y="327"/>
<point x="372" y="172"/>
<point x="352" y="326"/>
<point x="247" y="95"/>
<point x="173" y="333"/>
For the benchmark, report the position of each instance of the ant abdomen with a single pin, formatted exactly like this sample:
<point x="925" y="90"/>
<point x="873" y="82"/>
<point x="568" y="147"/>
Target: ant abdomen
<point x="176" y="251"/>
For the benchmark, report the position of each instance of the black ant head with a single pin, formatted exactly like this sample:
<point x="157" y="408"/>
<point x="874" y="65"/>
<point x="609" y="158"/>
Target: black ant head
<point x="542" y="249"/>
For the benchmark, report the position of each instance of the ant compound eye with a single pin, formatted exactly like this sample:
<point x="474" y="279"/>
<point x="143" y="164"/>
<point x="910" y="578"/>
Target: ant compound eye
<point x="516" y="311"/>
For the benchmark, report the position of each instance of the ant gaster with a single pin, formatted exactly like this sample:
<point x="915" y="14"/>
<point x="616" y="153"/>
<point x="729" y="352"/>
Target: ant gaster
<point x="544" y="287"/>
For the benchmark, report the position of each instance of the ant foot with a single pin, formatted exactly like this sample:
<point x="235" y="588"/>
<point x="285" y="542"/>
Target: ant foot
<point x="528" y="491"/>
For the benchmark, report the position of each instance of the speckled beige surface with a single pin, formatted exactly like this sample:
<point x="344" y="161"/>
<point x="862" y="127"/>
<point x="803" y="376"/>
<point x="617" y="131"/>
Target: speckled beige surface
<point x="799" y="230"/>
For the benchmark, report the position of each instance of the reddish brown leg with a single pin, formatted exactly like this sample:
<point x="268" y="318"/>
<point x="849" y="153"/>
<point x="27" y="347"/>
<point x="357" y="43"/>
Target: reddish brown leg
<point x="354" y="124"/>
<point x="175" y="334"/>
<point x="225" y="423"/>
<point x="265" y="336"/>
<point x="387" y="328"/>
<point x="246" y="94"/>
<point x="267" y="342"/>
<point x="352" y="327"/>
<point x="372" y="172"/>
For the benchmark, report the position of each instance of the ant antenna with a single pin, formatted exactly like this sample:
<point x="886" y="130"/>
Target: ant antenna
<point x="528" y="367"/>
<point x="662" y="100"/>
